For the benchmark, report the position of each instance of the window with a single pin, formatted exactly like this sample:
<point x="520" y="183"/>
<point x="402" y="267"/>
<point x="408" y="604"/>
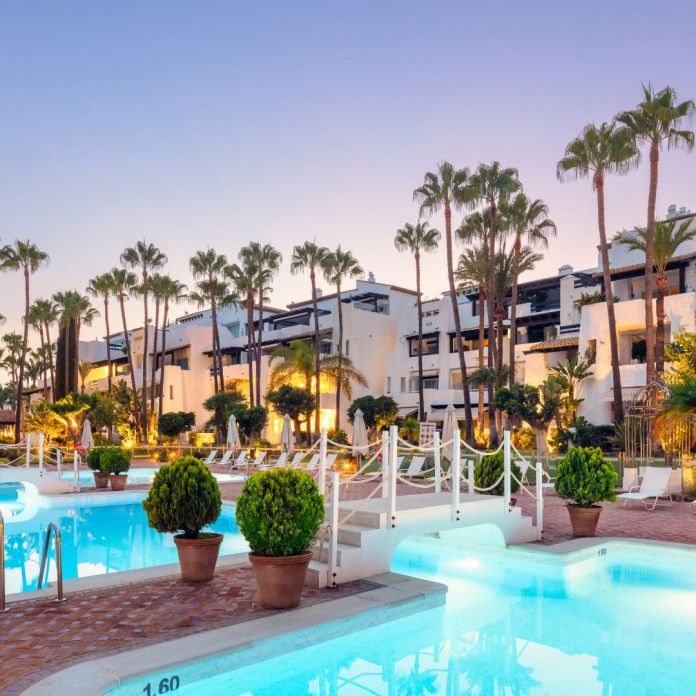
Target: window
<point x="403" y="385"/>
<point x="388" y="385"/>
<point x="347" y="348"/>
<point x="429" y="346"/>
<point x="171" y="392"/>
<point x="591" y="352"/>
<point x="467" y="343"/>
<point x="456" y="379"/>
<point x="431" y="382"/>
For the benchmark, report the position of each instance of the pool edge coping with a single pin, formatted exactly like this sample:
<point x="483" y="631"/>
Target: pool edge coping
<point x="396" y="596"/>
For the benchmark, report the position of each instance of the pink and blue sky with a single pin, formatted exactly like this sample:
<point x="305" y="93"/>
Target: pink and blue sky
<point x="193" y="124"/>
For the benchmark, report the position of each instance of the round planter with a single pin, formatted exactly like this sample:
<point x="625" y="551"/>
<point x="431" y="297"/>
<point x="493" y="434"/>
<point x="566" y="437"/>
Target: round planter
<point x="584" y="520"/>
<point x="197" y="557"/>
<point x="101" y="480"/>
<point x="280" y="579"/>
<point x="118" y="481"/>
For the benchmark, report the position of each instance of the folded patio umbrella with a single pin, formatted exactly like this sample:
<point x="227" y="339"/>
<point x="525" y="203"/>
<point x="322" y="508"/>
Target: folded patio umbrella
<point x="359" y="440"/>
<point x="233" y="440"/>
<point x="86" y="440"/>
<point x="287" y="436"/>
<point x="448" y="427"/>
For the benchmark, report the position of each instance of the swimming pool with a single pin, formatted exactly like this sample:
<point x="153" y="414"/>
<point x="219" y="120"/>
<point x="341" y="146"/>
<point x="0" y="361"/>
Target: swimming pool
<point x="99" y="535"/>
<point x="623" y="623"/>
<point x="137" y="476"/>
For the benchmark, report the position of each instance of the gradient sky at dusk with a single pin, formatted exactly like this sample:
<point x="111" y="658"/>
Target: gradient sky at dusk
<point x="194" y="124"/>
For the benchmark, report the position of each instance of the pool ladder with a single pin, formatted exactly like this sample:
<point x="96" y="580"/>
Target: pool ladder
<point x="52" y="527"/>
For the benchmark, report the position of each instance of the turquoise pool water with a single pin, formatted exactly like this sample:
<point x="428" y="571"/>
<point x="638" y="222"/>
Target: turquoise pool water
<point x="620" y="625"/>
<point x="97" y="538"/>
<point x="136" y="476"/>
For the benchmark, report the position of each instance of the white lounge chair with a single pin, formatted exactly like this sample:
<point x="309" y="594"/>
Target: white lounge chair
<point x="210" y="459"/>
<point x="330" y="461"/>
<point x="312" y="464"/>
<point x="415" y="467"/>
<point x="258" y="461"/>
<point x="225" y="460"/>
<point x="239" y="462"/>
<point x="524" y="468"/>
<point x="296" y="460"/>
<point x="278" y="463"/>
<point x="655" y="484"/>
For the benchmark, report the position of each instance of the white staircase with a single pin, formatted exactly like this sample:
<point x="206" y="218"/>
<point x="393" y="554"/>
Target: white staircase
<point x="366" y="542"/>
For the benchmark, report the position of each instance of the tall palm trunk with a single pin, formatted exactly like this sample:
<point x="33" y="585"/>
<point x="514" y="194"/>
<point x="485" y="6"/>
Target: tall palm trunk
<point x="649" y="266"/>
<point x="217" y="348"/>
<point x="258" y="347"/>
<point x="154" y="357"/>
<point x="145" y="349"/>
<point x="469" y="433"/>
<point x="513" y="306"/>
<point x="250" y="344"/>
<point x="339" y="371"/>
<point x="131" y="367"/>
<point x="492" y="343"/>
<point x="499" y="315"/>
<point x="25" y="340"/>
<point x="661" y="283"/>
<point x="66" y="357"/>
<point x="419" y="302"/>
<point x="609" y="294"/>
<point x="160" y="408"/>
<point x="482" y="338"/>
<point x="317" y="359"/>
<point x="50" y="362"/>
<point x="109" y="378"/>
<point x="43" y="360"/>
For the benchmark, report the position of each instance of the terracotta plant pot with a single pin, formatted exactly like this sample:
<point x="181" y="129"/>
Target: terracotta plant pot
<point x="118" y="481"/>
<point x="584" y="520"/>
<point x="280" y="579"/>
<point x="101" y="480"/>
<point x="513" y="502"/>
<point x="197" y="557"/>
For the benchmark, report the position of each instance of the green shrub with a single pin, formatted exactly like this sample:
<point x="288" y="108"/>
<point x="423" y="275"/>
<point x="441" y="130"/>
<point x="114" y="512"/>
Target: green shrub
<point x="584" y="478"/>
<point x="114" y="460"/>
<point x="163" y="455"/>
<point x="280" y="512"/>
<point x="339" y="436"/>
<point x="94" y="458"/>
<point x="586" y="435"/>
<point x="524" y="439"/>
<point x="184" y="497"/>
<point x="489" y="470"/>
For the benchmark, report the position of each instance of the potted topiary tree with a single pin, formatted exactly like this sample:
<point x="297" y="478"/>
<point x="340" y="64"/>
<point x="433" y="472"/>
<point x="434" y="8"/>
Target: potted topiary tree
<point x="101" y="478"/>
<point x="183" y="499"/>
<point x="279" y="513"/>
<point x="115" y="463"/>
<point x="584" y="478"/>
<point x="490" y="469"/>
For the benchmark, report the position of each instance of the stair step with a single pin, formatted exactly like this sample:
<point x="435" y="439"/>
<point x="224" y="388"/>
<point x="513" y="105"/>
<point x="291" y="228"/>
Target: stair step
<point x="342" y="551"/>
<point x="363" y="518"/>
<point x="317" y="575"/>
<point x="352" y="534"/>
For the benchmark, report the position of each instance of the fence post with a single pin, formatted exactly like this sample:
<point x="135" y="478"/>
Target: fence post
<point x="456" y="468"/>
<point x="27" y="457"/>
<point x="59" y="462"/>
<point x="507" y="488"/>
<point x="539" y="500"/>
<point x="385" y="463"/>
<point x="457" y="457"/>
<point x="438" y="461"/>
<point x="41" y="455"/>
<point x="393" y="443"/>
<point x="471" y="462"/>
<point x="333" y="541"/>
<point x="322" y="461"/>
<point x="76" y="474"/>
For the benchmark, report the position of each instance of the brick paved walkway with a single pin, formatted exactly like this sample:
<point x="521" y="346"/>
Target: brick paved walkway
<point x="38" y="637"/>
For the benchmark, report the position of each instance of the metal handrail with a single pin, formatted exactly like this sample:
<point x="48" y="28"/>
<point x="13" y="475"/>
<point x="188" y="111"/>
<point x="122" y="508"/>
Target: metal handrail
<point x="59" y="561"/>
<point x="3" y="607"/>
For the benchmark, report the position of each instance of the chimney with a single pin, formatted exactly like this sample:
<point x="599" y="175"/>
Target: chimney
<point x="565" y="270"/>
<point x="371" y="277"/>
<point x="671" y="211"/>
<point x="320" y="292"/>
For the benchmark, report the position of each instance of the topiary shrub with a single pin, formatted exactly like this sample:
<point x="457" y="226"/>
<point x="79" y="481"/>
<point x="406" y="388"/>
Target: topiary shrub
<point x="489" y="470"/>
<point x="340" y="436"/>
<point x="94" y="458"/>
<point x="584" y="478"/>
<point x="163" y="456"/>
<point x="524" y="438"/>
<point x="114" y="460"/>
<point x="280" y="512"/>
<point x="184" y="498"/>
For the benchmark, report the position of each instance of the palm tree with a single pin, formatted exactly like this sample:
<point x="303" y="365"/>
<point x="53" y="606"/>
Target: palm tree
<point x="338" y="266"/>
<point x="100" y="286"/>
<point x="208" y="268"/>
<point x="243" y="278"/>
<point x="310" y="257"/>
<point x="472" y="269"/>
<point x="669" y="236"/>
<point x="145" y="258"/>
<point x="417" y="239"/>
<point x="124" y="285"/>
<point x="86" y="314"/>
<point x="157" y="282"/>
<point x="597" y="151"/>
<point x="83" y="369"/>
<point x="47" y="311"/>
<point x="529" y="219"/>
<point x="37" y="323"/>
<point x="658" y="119"/>
<point x="569" y="375"/>
<point x="446" y="189"/>
<point x="68" y="302"/>
<point x="28" y="258"/>
<point x="172" y="291"/>
<point x="266" y="260"/>
<point x="13" y="348"/>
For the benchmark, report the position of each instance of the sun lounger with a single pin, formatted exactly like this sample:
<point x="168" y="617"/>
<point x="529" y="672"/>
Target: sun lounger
<point x="655" y="484"/>
<point x="278" y="463"/>
<point x="225" y="460"/>
<point x="524" y="468"/>
<point x="299" y="456"/>
<point x="258" y="461"/>
<point x="415" y="467"/>
<point x="239" y="462"/>
<point x="312" y="464"/>
<point x="210" y="459"/>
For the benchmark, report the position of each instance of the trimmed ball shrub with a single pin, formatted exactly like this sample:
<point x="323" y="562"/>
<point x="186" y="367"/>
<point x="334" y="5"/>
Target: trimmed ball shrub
<point x="184" y="498"/>
<point x="114" y="460"/>
<point x="94" y="458"/>
<point x="584" y="477"/>
<point x="280" y="512"/>
<point x="490" y="469"/>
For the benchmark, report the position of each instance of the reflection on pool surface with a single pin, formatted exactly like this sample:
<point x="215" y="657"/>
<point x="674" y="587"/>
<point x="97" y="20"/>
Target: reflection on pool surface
<point x="137" y="476"/>
<point x="623" y="625"/>
<point x="97" y="538"/>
